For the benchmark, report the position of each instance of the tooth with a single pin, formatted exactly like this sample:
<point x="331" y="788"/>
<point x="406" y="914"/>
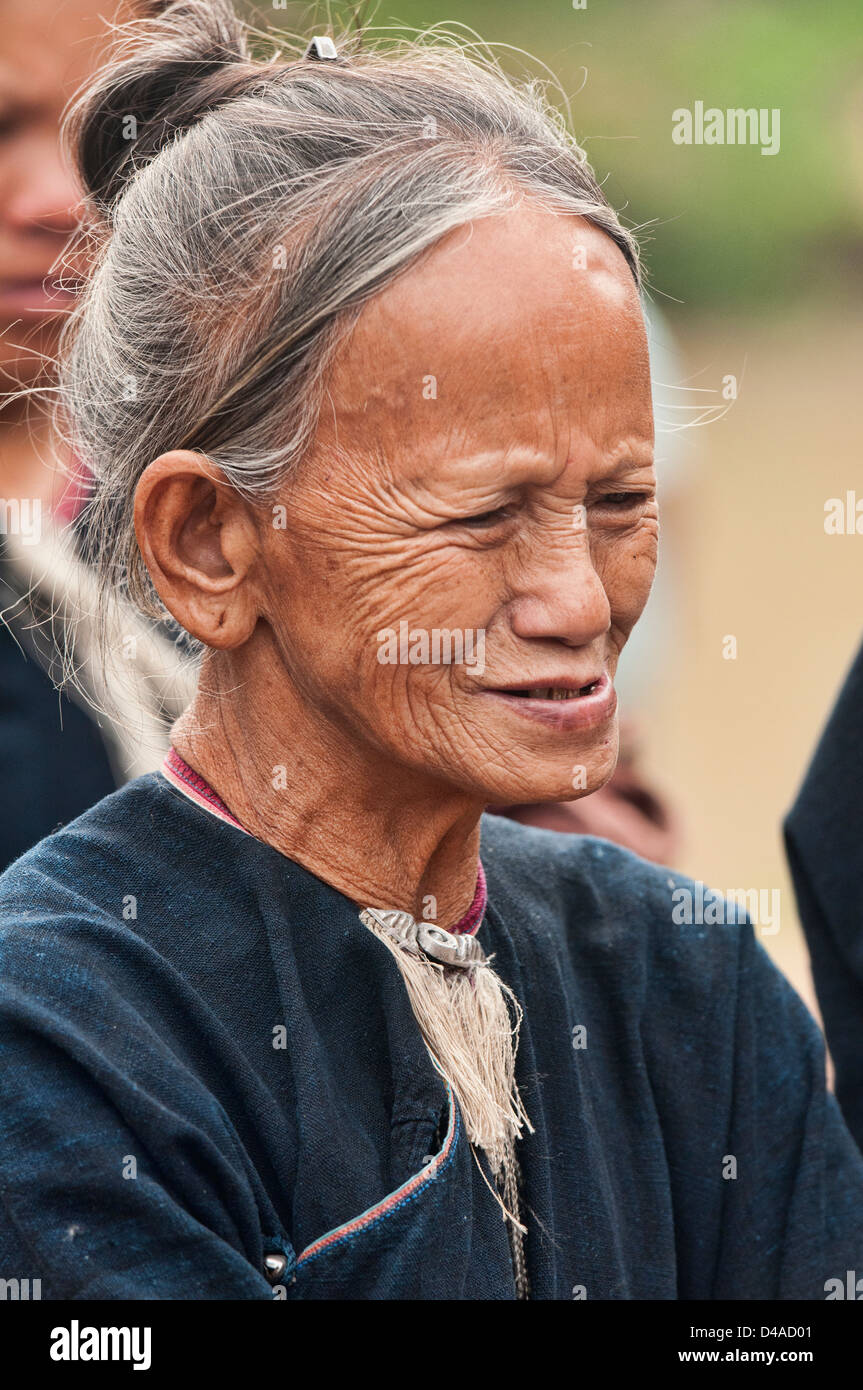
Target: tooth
<point x="551" y="692"/>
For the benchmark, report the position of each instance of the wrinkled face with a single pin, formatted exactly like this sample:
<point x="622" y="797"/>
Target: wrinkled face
<point x="474" y="535"/>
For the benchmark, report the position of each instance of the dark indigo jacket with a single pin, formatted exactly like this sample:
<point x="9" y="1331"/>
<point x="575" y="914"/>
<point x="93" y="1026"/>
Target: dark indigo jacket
<point x="144" y="1044"/>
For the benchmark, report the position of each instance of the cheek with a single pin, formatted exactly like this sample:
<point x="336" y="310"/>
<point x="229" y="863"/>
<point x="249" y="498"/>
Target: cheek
<point x="437" y="586"/>
<point x="626" y="565"/>
<point x="337" y="604"/>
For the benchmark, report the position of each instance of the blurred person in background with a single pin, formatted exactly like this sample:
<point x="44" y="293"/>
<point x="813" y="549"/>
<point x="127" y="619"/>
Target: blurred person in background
<point x="58" y="755"/>
<point x="825" y="855"/>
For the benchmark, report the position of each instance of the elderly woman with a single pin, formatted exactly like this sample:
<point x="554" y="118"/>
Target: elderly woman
<point x="362" y="376"/>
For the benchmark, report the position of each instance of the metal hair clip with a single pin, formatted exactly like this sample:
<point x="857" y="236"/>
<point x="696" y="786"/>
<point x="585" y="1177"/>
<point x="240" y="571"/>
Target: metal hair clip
<point x="322" y="49"/>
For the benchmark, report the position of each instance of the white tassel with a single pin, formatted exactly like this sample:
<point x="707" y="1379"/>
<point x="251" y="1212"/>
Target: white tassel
<point x="460" y="1005"/>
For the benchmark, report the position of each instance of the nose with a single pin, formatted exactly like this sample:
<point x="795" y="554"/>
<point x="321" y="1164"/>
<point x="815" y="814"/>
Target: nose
<point x="563" y="599"/>
<point x="41" y="197"/>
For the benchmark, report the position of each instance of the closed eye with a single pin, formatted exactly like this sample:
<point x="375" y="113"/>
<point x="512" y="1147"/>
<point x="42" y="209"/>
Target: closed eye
<point x="621" y="500"/>
<point x="484" y="520"/>
<point x="9" y="123"/>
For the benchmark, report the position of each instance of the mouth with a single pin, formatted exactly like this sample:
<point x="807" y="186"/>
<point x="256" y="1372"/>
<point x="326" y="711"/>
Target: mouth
<point x="40" y="295"/>
<point x="553" y="692"/>
<point x="560" y="702"/>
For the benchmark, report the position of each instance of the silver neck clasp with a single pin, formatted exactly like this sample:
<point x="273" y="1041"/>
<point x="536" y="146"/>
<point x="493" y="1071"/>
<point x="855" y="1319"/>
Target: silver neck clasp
<point x="425" y="938"/>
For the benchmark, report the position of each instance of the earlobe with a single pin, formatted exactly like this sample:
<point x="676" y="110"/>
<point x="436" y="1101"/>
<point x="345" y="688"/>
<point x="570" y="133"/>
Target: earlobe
<point x="199" y="540"/>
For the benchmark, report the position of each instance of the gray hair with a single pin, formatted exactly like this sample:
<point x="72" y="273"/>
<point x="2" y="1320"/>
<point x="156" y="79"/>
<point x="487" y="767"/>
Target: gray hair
<point x="245" y="209"/>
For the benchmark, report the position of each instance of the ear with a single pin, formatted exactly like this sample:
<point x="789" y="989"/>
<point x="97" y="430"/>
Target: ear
<point x="199" y="540"/>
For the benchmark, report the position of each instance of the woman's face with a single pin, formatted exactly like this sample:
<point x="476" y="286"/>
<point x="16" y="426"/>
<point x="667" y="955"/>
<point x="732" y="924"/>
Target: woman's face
<point x="474" y="534"/>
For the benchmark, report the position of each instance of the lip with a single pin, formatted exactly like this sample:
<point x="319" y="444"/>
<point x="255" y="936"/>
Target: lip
<point x="33" y="295"/>
<point x="581" y="712"/>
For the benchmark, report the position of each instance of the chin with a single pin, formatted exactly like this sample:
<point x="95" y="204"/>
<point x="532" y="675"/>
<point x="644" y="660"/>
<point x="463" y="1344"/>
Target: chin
<point x="537" y="785"/>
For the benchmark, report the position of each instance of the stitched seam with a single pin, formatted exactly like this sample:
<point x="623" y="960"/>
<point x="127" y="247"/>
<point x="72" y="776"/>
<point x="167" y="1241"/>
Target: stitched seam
<point x="383" y="1210"/>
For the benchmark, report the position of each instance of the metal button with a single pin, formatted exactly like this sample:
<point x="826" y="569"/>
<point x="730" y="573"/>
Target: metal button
<point x="275" y="1266"/>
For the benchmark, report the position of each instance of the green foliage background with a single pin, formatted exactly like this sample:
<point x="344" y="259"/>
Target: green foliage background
<point x="732" y="226"/>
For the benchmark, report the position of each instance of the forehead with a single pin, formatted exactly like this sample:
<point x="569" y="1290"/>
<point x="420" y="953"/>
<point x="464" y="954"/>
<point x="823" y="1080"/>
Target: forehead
<point x="520" y="329"/>
<point x="50" y="48"/>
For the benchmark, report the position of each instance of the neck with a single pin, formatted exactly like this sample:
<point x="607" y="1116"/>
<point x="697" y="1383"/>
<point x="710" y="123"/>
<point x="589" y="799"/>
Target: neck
<point x="382" y="833"/>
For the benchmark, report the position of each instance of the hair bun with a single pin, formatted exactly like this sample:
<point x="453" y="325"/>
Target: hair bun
<point x="165" y="73"/>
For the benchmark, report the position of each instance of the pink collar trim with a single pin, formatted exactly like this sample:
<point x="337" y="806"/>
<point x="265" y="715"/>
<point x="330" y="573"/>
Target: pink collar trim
<point x="177" y="771"/>
<point x="187" y="781"/>
<point x="468" y="925"/>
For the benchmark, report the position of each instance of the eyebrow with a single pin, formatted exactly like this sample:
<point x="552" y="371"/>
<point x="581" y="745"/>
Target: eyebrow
<point x="519" y="466"/>
<point x="627" y="464"/>
<point x="20" y="100"/>
<point x="515" y="466"/>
